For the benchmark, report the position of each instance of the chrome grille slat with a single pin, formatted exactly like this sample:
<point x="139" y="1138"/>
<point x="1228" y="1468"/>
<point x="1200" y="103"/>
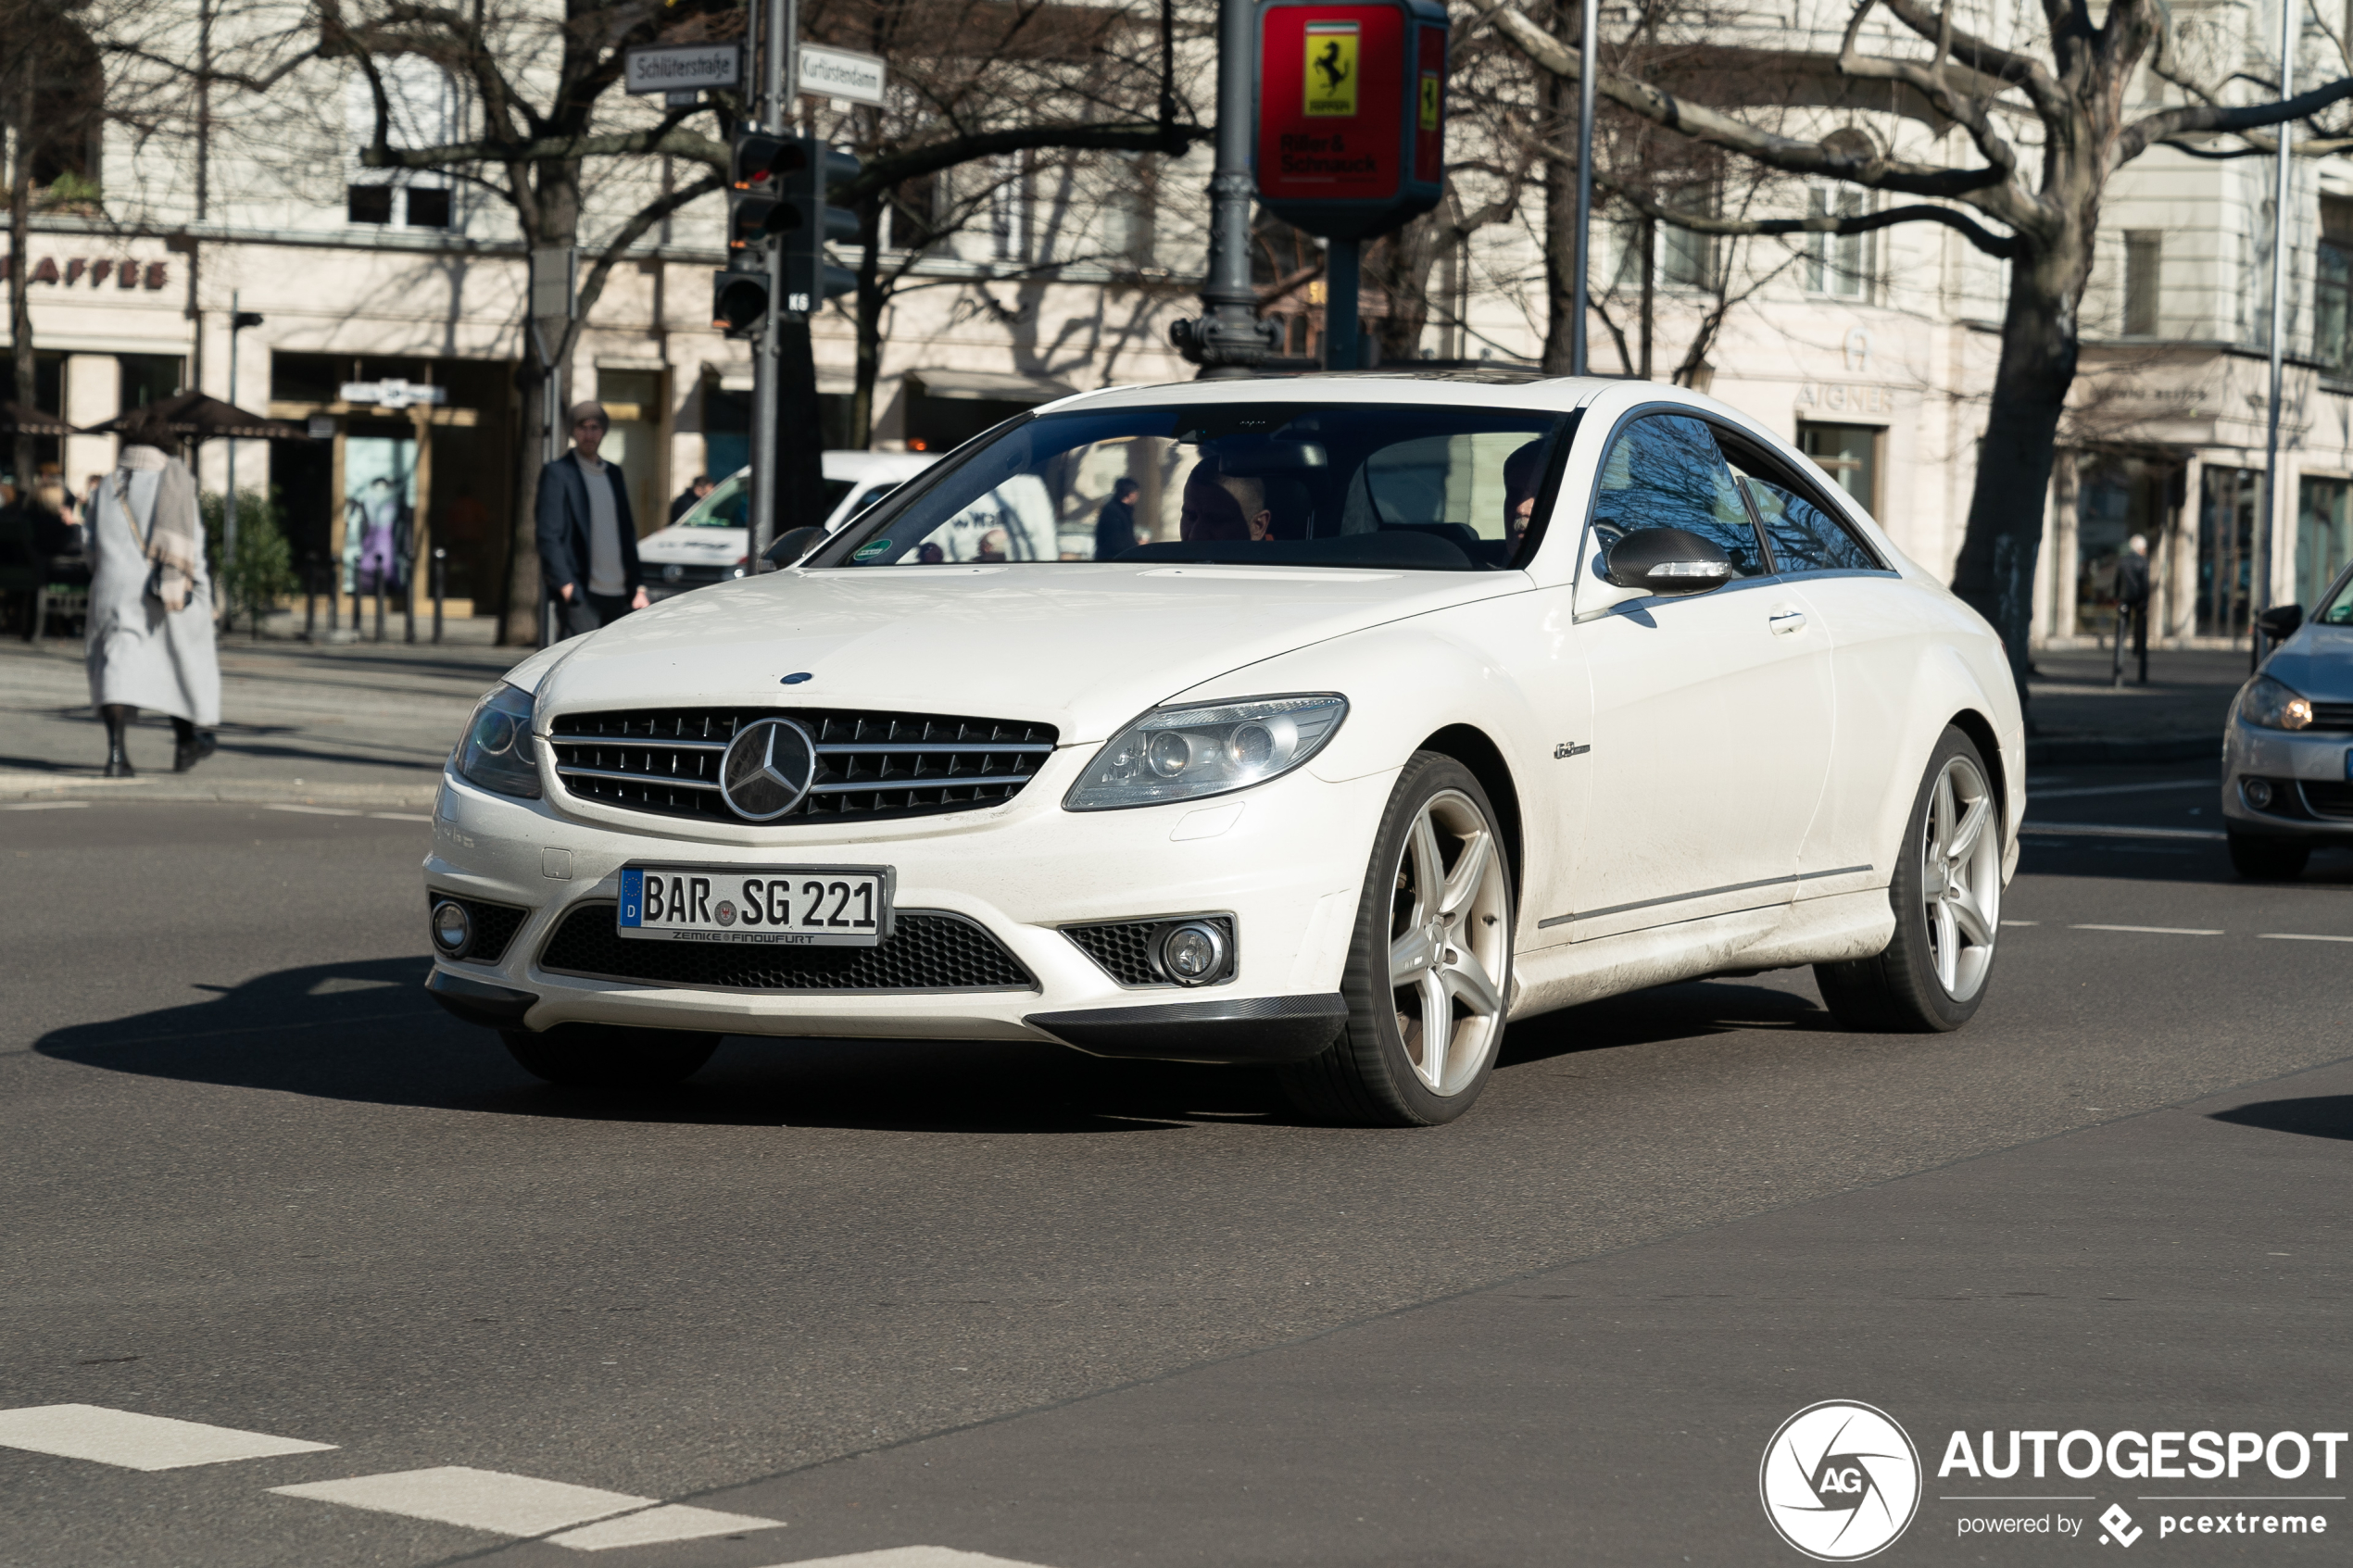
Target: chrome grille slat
<point x="870" y="765"/>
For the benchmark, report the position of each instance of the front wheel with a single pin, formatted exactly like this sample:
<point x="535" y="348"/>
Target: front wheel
<point x="1947" y="895"/>
<point x="596" y="1056"/>
<point x="1430" y="969"/>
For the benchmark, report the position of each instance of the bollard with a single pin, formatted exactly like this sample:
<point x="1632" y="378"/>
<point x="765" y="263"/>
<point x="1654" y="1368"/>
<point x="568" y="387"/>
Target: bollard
<point x="379" y="606"/>
<point x="408" y="600"/>
<point x="440" y="582"/>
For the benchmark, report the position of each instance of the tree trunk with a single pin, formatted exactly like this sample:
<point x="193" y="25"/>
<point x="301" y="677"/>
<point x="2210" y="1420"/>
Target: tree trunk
<point x="1995" y="572"/>
<point x="871" y="298"/>
<point x="1560" y="234"/>
<point x="558" y="204"/>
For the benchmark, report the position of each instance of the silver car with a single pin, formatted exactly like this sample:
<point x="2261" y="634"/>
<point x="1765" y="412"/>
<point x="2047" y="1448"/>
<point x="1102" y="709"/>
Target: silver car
<point x="2287" y="752"/>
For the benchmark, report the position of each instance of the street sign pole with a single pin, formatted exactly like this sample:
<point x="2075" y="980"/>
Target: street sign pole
<point x="778" y="20"/>
<point x="2266" y="521"/>
<point x="1343" y="348"/>
<point x="1587" y="64"/>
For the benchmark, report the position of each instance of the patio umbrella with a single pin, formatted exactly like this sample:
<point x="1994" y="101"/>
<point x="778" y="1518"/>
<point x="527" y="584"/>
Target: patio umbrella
<point x="18" y="420"/>
<point x="197" y="417"/>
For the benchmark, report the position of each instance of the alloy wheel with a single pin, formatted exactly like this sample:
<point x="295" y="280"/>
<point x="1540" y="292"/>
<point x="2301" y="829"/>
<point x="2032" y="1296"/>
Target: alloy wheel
<point x="1961" y="878"/>
<point x="1450" y="935"/>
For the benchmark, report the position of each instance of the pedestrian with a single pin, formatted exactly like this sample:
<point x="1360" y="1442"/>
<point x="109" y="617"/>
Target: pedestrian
<point x="2132" y="604"/>
<point x="150" y="621"/>
<point x="1115" y="524"/>
<point x="588" y="538"/>
<point x="684" y="502"/>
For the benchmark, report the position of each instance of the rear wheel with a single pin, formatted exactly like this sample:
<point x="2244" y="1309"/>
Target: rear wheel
<point x="2268" y="860"/>
<point x="1429" y="970"/>
<point x="1947" y="896"/>
<point x="597" y="1056"/>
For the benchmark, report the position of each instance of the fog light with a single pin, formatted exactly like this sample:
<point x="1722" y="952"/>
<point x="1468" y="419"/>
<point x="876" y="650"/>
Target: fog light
<point x="2258" y="793"/>
<point x="1193" y="953"/>
<point x="452" y="928"/>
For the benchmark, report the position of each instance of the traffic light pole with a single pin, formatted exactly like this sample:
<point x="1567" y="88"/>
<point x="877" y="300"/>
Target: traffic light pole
<point x="779" y="22"/>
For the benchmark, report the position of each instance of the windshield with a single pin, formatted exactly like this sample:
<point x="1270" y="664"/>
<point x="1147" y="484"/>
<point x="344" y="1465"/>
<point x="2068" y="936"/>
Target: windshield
<point x="729" y="503"/>
<point x="1278" y="485"/>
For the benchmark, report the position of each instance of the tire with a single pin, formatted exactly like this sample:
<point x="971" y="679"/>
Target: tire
<point x="597" y="1056"/>
<point x="1382" y="1070"/>
<point x="1934" y="971"/>
<point x="2268" y="860"/>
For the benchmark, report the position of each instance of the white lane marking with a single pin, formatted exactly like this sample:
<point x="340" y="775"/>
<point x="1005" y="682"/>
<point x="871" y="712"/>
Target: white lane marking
<point x="912" y="1557"/>
<point x="2208" y="783"/>
<point x="2021" y="923"/>
<point x="673" y="1521"/>
<point x="317" y="810"/>
<point x="523" y="1505"/>
<point x="481" y="1500"/>
<point x="135" y="1441"/>
<point x="2298" y="936"/>
<point x="2153" y="930"/>
<point x="400" y="817"/>
<point x="2107" y="830"/>
<point x="47" y="806"/>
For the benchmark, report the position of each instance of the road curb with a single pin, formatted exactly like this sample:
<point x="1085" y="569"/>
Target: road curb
<point x="169" y="789"/>
<point x="2049" y="750"/>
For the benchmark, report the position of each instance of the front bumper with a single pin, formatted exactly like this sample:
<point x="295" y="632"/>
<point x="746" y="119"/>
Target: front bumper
<point x="2310" y="776"/>
<point x="1286" y="860"/>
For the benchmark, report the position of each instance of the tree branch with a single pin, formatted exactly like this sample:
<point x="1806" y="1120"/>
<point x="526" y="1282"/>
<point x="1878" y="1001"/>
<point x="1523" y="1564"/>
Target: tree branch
<point x="675" y="140"/>
<point x="896" y="169"/>
<point x="592" y="287"/>
<point x="2168" y="123"/>
<point x="2024" y="72"/>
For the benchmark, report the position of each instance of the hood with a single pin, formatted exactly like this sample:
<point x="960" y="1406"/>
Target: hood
<point x="1081" y="646"/>
<point x="2317" y="661"/>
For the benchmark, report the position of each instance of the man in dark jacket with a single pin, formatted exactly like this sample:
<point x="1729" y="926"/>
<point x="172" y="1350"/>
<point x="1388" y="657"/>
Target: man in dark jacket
<point x="1115" y="524"/>
<point x="588" y="538"/>
<point x="2133" y="605"/>
<point x="684" y="502"/>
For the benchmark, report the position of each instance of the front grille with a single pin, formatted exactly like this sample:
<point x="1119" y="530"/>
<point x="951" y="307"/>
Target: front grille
<point x="494" y="925"/>
<point x="871" y="767"/>
<point x="2329" y="800"/>
<point x="1123" y="949"/>
<point x="2333" y="716"/>
<point x="927" y="950"/>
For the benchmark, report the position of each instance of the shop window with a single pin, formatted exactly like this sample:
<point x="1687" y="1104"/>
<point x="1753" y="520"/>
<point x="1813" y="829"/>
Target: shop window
<point x="2117" y="498"/>
<point x="368" y="204"/>
<point x="149" y="378"/>
<point x="2323" y="536"/>
<point x="1849" y="454"/>
<point x="2332" y="287"/>
<point x="2225" y="548"/>
<point x="428" y="207"/>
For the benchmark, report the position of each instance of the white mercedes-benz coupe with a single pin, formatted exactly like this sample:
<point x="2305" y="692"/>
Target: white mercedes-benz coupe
<point x="1427" y="703"/>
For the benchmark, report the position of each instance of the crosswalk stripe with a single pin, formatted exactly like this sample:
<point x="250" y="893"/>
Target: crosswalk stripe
<point x="912" y="1557"/>
<point x="523" y="1505"/>
<point x="135" y="1441"/>
<point x="673" y="1521"/>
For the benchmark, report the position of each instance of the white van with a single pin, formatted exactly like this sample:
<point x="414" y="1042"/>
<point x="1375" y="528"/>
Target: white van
<point x="712" y="542"/>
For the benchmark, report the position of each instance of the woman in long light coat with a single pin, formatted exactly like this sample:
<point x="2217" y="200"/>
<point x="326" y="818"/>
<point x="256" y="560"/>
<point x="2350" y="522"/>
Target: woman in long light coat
<point x="150" y="639"/>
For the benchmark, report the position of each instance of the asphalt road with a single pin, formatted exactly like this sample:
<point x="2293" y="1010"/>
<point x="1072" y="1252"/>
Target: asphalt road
<point x="832" y="1300"/>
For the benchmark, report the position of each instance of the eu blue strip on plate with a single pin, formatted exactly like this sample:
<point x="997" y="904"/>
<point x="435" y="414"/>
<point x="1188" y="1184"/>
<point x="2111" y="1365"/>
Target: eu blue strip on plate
<point x="633" y="896"/>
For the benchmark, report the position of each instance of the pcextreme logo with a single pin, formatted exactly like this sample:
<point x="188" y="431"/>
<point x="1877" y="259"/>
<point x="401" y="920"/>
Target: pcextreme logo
<point x="1839" y="1481"/>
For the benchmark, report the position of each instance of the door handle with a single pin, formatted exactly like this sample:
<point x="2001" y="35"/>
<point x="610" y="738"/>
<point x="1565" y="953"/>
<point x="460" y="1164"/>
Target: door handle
<point x="1789" y="621"/>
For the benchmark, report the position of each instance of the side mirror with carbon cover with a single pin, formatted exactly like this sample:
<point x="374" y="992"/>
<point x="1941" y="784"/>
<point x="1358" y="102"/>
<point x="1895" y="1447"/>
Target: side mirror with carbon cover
<point x="1667" y="560"/>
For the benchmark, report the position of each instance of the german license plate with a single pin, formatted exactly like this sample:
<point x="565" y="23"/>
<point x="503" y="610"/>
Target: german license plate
<point x="781" y="905"/>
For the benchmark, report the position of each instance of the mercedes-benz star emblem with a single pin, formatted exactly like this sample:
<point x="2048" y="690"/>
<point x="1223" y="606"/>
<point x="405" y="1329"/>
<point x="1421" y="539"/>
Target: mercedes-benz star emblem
<point x="767" y="769"/>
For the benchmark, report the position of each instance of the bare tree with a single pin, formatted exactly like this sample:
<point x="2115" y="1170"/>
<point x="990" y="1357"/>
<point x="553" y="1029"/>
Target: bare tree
<point x="2035" y="208"/>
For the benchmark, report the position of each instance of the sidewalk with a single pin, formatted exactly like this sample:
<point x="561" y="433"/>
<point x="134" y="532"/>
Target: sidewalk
<point x="358" y="724"/>
<point x="2075" y="716"/>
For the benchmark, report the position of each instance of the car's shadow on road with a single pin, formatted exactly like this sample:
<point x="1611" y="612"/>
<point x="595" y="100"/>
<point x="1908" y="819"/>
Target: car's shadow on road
<point x="364" y="1031"/>
<point x="2156" y="861"/>
<point x="2317" y="1116"/>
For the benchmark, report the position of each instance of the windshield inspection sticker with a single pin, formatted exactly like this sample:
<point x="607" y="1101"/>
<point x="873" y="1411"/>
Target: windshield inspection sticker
<point x="1840" y="1481"/>
<point x="869" y="550"/>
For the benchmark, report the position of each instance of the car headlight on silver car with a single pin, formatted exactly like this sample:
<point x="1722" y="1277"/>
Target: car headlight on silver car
<point x="1205" y="748"/>
<point x="498" y="751"/>
<point x="2269" y="704"/>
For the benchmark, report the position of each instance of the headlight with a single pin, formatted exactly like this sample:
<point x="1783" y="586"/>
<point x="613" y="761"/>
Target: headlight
<point x="2266" y="704"/>
<point x="498" y="751"/>
<point x="1184" y="753"/>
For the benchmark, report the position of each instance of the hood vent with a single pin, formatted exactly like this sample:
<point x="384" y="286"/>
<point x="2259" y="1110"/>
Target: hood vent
<point x="871" y="767"/>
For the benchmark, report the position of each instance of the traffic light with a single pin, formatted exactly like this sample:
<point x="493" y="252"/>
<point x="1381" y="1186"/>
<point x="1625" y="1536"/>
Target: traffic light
<point x="804" y="222"/>
<point x="738" y="302"/>
<point x="752" y="190"/>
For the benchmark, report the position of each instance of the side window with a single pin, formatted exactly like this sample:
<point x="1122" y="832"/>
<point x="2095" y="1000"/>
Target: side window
<point x="1805" y="537"/>
<point x="1665" y="471"/>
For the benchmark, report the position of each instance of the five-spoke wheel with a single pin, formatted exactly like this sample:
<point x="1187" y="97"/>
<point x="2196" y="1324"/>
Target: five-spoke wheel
<point x="1429" y="970"/>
